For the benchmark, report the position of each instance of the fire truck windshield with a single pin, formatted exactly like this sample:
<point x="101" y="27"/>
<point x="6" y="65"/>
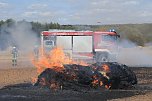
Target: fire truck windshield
<point x="49" y="42"/>
<point x="109" y="38"/>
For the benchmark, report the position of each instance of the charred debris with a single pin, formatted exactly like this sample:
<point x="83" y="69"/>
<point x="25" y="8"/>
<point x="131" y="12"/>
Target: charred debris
<point x="109" y="75"/>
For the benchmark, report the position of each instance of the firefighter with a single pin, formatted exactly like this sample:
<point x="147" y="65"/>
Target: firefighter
<point x="36" y="53"/>
<point x="14" y="56"/>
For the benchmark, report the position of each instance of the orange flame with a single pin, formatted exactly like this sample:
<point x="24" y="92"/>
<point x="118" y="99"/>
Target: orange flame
<point x="105" y="67"/>
<point x="95" y="81"/>
<point x="55" y="60"/>
<point x="34" y="80"/>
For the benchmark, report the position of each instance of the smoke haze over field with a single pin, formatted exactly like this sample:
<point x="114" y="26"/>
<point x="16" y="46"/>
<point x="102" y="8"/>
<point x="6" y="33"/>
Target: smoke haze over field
<point x="18" y="34"/>
<point x="133" y="55"/>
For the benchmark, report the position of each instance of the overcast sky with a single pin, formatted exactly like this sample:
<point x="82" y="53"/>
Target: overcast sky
<point x="78" y="11"/>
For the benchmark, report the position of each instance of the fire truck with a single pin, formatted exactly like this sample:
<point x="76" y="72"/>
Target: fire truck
<point x="98" y="46"/>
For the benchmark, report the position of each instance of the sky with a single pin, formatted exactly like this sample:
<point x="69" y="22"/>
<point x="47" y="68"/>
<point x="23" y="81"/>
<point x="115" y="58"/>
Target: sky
<point x="90" y="12"/>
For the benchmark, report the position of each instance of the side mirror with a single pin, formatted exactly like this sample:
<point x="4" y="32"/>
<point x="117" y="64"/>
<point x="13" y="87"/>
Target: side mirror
<point x="118" y="36"/>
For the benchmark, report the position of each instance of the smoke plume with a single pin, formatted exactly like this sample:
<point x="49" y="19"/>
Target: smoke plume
<point x="18" y="34"/>
<point x="133" y="55"/>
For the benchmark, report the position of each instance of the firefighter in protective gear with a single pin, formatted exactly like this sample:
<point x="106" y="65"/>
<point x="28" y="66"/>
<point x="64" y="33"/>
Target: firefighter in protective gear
<point x="14" y="56"/>
<point x="36" y="53"/>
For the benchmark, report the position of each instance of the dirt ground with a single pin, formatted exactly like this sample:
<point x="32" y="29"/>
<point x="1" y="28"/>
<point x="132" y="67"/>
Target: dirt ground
<point x="16" y="75"/>
<point x="144" y="77"/>
<point x="16" y="85"/>
<point x="21" y="88"/>
<point x="144" y="97"/>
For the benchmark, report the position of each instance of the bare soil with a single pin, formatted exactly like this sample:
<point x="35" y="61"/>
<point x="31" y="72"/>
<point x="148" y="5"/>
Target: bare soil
<point x="16" y="85"/>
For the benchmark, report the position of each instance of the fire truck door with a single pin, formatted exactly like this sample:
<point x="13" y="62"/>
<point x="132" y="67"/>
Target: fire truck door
<point x="65" y="42"/>
<point x="82" y="44"/>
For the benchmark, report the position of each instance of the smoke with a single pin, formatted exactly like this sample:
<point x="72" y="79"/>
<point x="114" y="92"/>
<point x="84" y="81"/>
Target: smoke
<point x="18" y="34"/>
<point x="5" y="37"/>
<point x="133" y="55"/>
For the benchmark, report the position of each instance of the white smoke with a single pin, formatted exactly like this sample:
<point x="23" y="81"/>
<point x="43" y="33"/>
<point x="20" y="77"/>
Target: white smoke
<point x="19" y="34"/>
<point x="133" y="55"/>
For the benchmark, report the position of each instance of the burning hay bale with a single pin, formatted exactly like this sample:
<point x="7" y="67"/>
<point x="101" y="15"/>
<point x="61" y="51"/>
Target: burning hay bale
<point x="119" y="76"/>
<point x="73" y="76"/>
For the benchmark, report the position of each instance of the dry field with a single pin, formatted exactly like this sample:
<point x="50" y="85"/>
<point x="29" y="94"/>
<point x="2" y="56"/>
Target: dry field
<point x="15" y="84"/>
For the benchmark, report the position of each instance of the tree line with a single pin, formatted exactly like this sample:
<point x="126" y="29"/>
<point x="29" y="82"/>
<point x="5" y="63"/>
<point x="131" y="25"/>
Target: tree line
<point x="36" y="26"/>
<point x="140" y="34"/>
<point x="9" y="27"/>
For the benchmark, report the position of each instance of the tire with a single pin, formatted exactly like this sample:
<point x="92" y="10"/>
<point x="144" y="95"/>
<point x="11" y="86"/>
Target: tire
<point x="102" y="57"/>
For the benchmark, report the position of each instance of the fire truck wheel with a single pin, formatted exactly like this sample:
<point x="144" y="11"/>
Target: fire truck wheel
<point x="102" y="57"/>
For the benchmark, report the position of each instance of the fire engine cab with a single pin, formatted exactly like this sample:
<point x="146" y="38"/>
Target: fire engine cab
<point x="84" y="45"/>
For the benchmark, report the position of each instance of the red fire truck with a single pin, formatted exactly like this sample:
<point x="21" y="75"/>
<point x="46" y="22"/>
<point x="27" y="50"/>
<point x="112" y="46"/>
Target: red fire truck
<point x="87" y="45"/>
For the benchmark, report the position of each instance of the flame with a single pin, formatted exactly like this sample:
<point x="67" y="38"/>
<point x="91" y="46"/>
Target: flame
<point x="101" y="83"/>
<point x="104" y="73"/>
<point x="95" y="81"/>
<point x="104" y="70"/>
<point x="55" y="60"/>
<point x="34" y="80"/>
<point x="106" y="67"/>
<point x="43" y="81"/>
